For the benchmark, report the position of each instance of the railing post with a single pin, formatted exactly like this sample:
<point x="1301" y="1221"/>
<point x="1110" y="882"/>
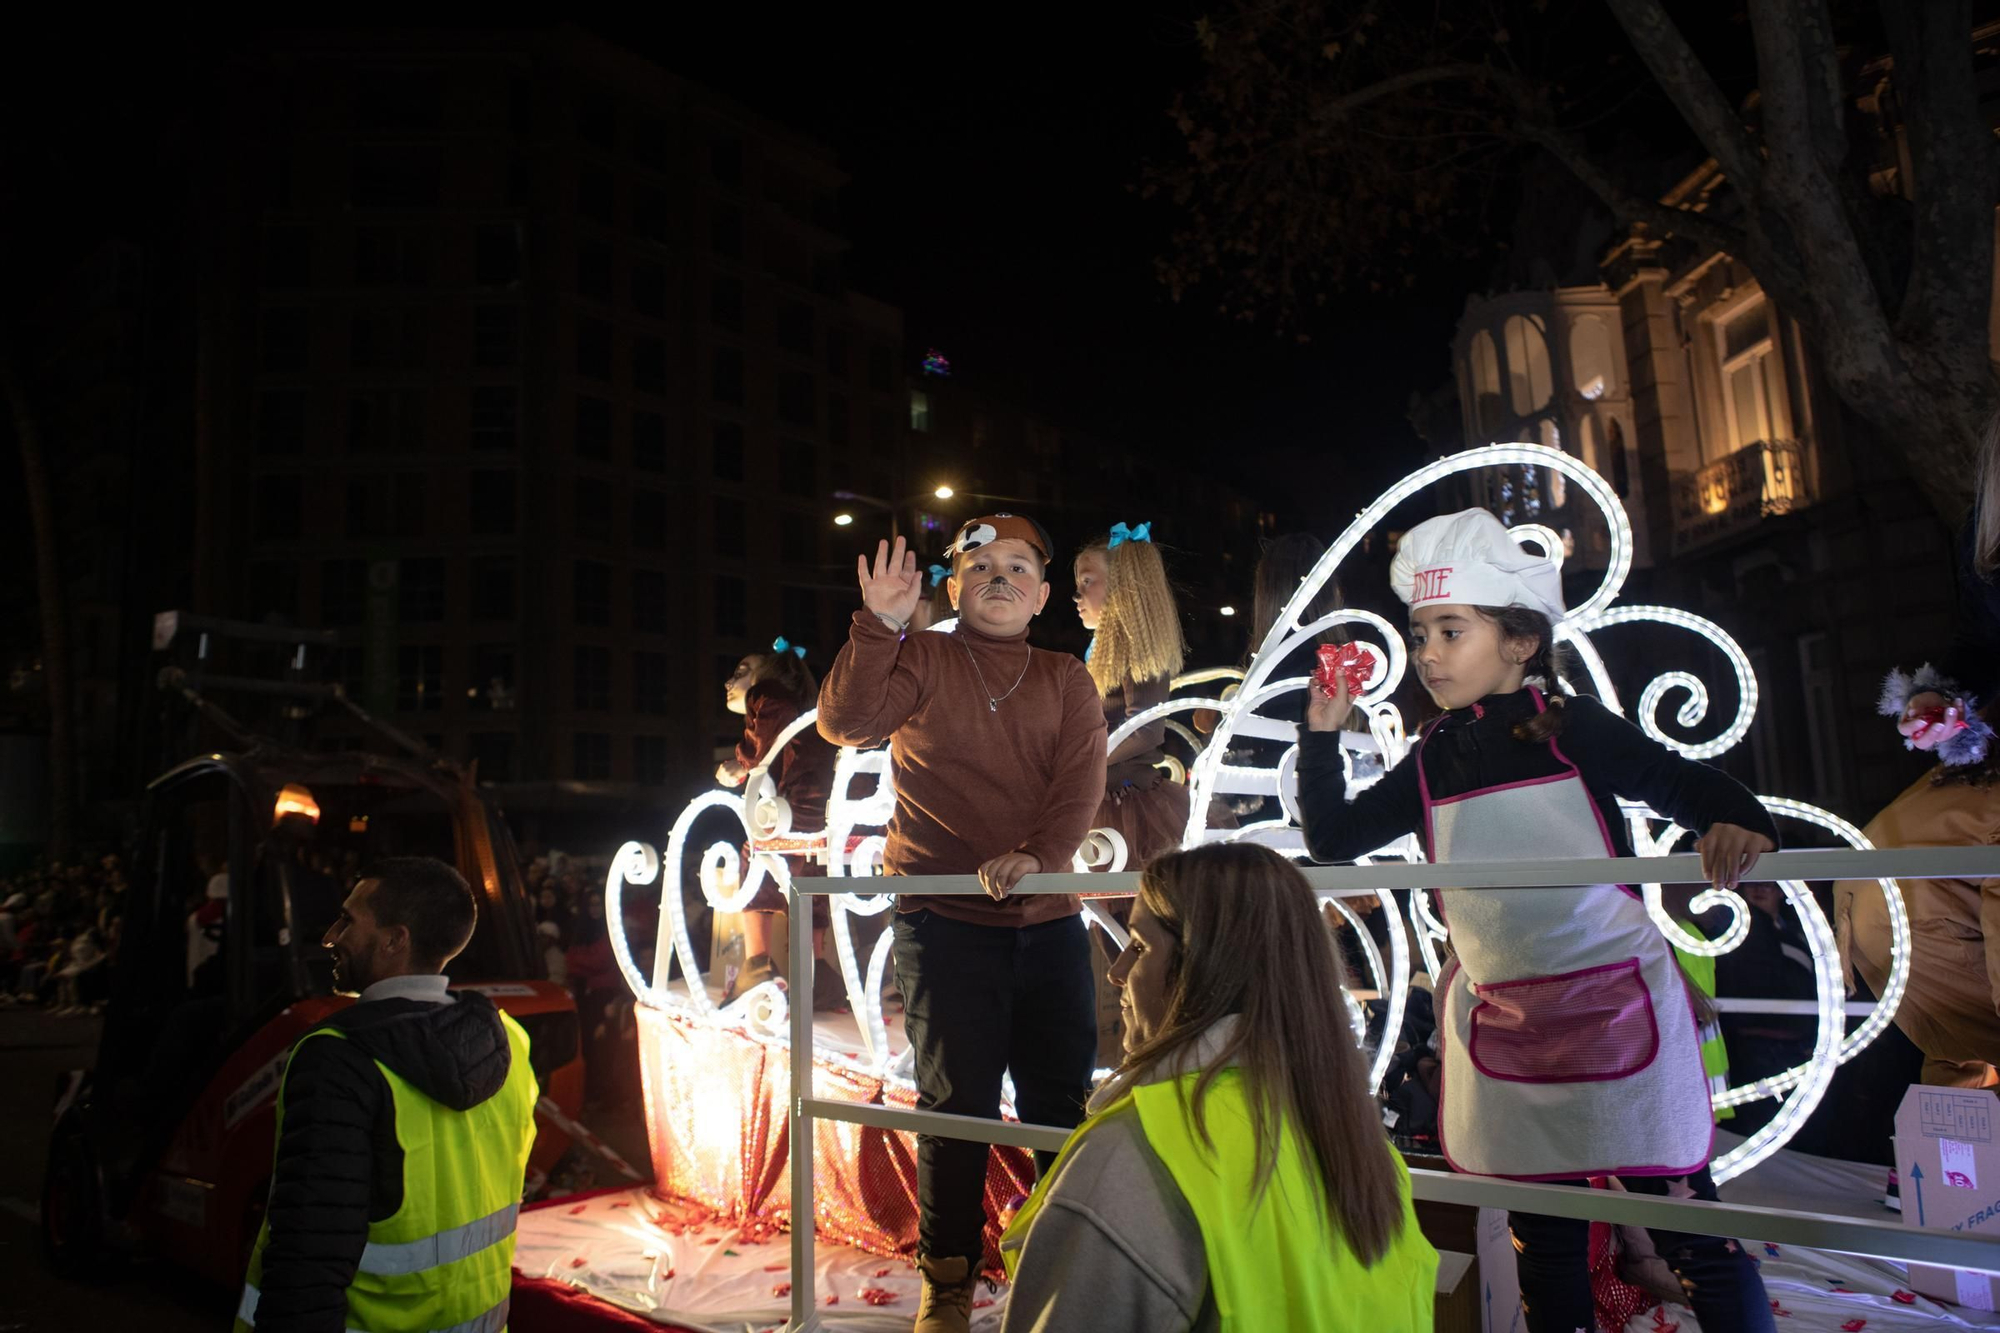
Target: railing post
<point x="799" y="1124"/>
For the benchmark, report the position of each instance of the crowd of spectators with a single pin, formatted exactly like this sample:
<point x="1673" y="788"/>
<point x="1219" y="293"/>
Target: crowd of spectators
<point x="60" y="924"/>
<point x="60" y="927"/>
<point x="575" y="939"/>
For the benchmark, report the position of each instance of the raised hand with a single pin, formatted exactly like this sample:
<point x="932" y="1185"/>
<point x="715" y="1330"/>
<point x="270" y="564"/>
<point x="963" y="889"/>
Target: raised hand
<point x="1327" y="712"/>
<point x="893" y="587"/>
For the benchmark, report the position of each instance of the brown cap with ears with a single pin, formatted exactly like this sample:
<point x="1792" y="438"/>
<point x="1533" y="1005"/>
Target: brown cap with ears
<point x="990" y="528"/>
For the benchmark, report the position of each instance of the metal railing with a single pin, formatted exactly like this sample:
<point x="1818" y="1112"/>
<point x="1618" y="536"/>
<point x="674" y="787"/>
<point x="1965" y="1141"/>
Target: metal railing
<point x="1975" y="1251"/>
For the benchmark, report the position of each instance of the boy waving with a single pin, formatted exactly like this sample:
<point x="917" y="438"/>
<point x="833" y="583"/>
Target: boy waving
<point x="997" y="750"/>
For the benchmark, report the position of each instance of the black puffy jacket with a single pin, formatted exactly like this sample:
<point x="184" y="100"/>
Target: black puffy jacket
<point x="339" y="1166"/>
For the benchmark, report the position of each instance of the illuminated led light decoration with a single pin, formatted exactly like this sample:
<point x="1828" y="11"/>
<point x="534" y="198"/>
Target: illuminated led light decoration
<point x="1262" y="706"/>
<point x="1250" y="714"/>
<point x="936" y="364"/>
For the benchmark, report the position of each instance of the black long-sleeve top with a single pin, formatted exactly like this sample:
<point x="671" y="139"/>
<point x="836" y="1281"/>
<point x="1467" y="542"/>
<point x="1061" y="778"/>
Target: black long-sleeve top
<point x="1473" y="748"/>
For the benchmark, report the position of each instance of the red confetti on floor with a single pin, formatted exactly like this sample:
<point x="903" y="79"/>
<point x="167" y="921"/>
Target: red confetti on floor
<point x="781" y="1289"/>
<point x="881" y="1272"/>
<point x="878" y="1296"/>
<point x="833" y="1299"/>
<point x="578" y="1209"/>
<point x="578" y="1262"/>
<point x="776" y="1268"/>
<point x="669" y="1275"/>
<point x="622" y="1203"/>
<point x="713" y="1240"/>
<point x="1903" y="1297"/>
<point x="1854" y="1326"/>
<point x="982" y="1302"/>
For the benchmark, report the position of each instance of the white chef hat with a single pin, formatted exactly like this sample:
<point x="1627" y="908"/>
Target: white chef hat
<point x="1469" y="558"/>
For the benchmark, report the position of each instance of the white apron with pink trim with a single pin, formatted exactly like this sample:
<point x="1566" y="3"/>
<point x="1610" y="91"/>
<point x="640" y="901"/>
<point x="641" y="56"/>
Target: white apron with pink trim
<point x="1569" y="1043"/>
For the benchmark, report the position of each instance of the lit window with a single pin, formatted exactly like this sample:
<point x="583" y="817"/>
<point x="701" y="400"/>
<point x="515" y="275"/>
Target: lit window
<point x="1751" y="393"/>
<point x="920" y="410"/>
<point x="1590" y="357"/>
<point x="1528" y="383"/>
<point x="1486" y="382"/>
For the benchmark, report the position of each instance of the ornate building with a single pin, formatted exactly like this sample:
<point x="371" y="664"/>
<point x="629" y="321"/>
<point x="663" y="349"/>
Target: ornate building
<point x="1756" y="498"/>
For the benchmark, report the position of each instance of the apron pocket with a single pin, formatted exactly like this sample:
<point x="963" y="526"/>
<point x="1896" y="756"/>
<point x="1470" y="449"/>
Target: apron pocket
<point x="1580" y="1027"/>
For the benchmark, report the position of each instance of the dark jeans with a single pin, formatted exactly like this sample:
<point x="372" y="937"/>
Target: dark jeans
<point x="1721" y="1281"/>
<point x="981" y="1001"/>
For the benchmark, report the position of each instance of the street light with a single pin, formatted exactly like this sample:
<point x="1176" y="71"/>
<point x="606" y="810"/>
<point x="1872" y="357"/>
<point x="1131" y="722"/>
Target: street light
<point x="1225" y="611"/>
<point x="846" y="518"/>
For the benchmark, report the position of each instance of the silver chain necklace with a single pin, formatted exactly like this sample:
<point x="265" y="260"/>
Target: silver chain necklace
<point x="993" y="704"/>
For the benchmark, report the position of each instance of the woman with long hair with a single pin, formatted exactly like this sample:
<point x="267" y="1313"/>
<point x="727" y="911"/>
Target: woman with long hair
<point x="1286" y="562"/>
<point x="1233" y="1173"/>
<point x="1123" y="597"/>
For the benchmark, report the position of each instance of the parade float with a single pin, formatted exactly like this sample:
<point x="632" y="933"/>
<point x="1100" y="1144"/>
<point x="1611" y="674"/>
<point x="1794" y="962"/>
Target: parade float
<point x="705" y="1246"/>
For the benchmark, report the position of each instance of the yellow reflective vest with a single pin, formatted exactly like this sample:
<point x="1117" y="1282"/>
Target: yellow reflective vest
<point x="1700" y="969"/>
<point x="1276" y="1260"/>
<point x="443" y="1262"/>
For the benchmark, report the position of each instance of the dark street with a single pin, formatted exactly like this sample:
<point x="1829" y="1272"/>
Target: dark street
<point x="34" y="1049"/>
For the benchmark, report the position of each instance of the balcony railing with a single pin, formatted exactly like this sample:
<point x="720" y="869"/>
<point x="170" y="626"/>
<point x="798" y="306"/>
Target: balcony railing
<point x="1732" y="494"/>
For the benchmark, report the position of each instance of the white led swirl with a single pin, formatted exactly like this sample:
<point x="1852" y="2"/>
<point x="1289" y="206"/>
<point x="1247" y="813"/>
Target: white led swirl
<point x="1695" y="708"/>
<point x="764" y="815"/>
<point x="1817" y="1072"/>
<point x="640" y="864"/>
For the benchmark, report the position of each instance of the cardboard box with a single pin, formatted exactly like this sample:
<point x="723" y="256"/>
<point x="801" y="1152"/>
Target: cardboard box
<point x="1948" y="1164"/>
<point x="1498" y="1275"/>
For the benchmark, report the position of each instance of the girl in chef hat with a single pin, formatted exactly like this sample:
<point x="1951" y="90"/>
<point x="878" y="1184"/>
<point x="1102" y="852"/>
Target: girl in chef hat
<point x="1570" y="1044"/>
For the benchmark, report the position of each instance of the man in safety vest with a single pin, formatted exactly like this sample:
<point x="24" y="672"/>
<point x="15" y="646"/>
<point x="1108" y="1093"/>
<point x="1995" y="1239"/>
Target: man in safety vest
<point x="404" y="1124"/>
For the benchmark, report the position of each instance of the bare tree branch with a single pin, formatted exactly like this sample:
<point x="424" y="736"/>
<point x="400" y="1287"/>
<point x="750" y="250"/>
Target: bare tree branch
<point x="1457" y="72"/>
<point x="1798" y="65"/>
<point x="1691" y="88"/>
<point x="1628" y="206"/>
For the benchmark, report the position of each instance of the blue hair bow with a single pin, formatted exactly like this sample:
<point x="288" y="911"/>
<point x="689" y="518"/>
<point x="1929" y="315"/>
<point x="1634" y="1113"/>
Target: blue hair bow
<point x="939" y="574"/>
<point x="782" y="645"/>
<point x="1120" y="534"/>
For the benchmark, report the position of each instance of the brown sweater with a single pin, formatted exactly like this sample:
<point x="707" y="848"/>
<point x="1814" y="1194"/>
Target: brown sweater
<point x="803" y="774"/>
<point x="1131" y="764"/>
<point x="972" y="783"/>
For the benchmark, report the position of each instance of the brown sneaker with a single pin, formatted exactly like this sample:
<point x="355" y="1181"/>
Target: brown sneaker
<point x="946" y="1306"/>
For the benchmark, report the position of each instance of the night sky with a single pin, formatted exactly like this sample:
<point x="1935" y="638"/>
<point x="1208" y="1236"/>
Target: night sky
<point x="990" y="164"/>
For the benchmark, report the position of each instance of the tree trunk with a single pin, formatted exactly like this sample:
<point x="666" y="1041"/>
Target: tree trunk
<point x="1921" y="373"/>
<point x="53" y="605"/>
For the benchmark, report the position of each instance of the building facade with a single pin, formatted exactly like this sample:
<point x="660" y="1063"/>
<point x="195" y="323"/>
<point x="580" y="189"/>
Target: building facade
<point x="525" y="365"/>
<point x="1756" y="500"/>
<point x="529" y="370"/>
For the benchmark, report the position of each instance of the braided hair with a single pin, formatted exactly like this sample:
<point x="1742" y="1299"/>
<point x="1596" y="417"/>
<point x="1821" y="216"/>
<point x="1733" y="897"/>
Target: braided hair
<point x="1139" y="633"/>
<point x="1546" y="667"/>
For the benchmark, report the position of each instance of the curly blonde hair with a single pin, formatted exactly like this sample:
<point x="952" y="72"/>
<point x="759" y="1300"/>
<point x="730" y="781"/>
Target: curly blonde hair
<point x="1139" y="633"/>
